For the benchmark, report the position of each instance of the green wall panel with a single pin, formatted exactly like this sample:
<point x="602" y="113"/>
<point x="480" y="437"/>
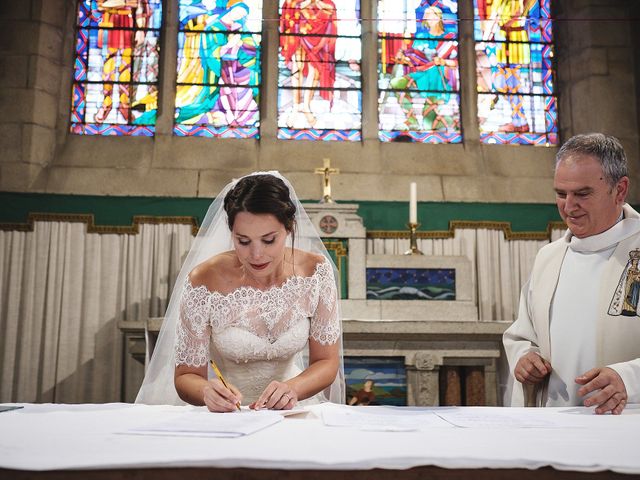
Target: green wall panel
<point x="119" y="211"/>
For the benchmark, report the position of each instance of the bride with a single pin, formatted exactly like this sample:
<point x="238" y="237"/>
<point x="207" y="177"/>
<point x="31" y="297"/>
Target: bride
<point x="257" y="295"/>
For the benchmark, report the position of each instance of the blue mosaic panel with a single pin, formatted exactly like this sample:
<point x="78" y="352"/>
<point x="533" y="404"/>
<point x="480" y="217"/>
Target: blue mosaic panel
<point x="411" y="283"/>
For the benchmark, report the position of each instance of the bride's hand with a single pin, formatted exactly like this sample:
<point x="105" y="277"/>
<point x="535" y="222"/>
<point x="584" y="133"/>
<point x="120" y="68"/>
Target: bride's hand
<point x="277" y="396"/>
<point x="219" y="398"/>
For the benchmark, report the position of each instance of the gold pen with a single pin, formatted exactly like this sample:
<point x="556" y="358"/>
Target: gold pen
<point x="218" y="373"/>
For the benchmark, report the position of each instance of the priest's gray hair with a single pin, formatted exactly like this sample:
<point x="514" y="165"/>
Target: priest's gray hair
<point x="605" y="148"/>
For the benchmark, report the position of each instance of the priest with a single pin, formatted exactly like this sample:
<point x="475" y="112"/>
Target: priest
<point x="576" y="340"/>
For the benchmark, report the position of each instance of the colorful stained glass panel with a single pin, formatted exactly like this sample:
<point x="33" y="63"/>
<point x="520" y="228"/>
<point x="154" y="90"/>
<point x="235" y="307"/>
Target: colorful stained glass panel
<point x="418" y="79"/>
<point x="514" y="66"/>
<point x="218" y="86"/>
<point x="319" y="82"/>
<point x="115" y="90"/>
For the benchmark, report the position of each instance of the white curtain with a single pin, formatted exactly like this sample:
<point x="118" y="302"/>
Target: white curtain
<point x="63" y="292"/>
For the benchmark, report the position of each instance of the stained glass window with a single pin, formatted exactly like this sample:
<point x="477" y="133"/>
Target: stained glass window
<point x="514" y="67"/>
<point x="218" y="86"/>
<point x="115" y="84"/>
<point x="319" y="86"/>
<point x="418" y="80"/>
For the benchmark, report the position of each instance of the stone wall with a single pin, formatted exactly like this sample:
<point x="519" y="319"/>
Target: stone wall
<point x="598" y="71"/>
<point x="597" y="77"/>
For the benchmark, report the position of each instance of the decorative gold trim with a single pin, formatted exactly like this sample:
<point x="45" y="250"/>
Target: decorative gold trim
<point x="472" y="224"/>
<point x="16" y="227"/>
<point x="341" y="252"/>
<point x="134" y="228"/>
<point x="89" y="219"/>
<point x="406" y="234"/>
<point x="338" y="247"/>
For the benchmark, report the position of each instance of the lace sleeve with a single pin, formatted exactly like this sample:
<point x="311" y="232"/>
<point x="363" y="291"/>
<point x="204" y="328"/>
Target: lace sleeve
<point x="325" y="323"/>
<point x="193" y="330"/>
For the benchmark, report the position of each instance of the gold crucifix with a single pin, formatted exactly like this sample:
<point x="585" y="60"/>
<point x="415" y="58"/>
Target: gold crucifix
<point x="326" y="185"/>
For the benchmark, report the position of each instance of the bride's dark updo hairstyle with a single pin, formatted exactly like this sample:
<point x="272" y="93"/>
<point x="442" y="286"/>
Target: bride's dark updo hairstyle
<point x="260" y="194"/>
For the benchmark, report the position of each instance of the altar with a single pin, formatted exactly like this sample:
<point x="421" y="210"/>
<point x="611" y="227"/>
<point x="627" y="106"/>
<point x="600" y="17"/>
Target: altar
<point x="89" y="441"/>
<point x="447" y="363"/>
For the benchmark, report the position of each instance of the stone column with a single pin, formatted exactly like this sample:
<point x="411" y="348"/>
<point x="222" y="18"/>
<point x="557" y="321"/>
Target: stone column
<point x="162" y="153"/>
<point x="491" y="385"/>
<point x="369" y="69"/>
<point x="269" y="59"/>
<point x="474" y="392"/>
<point x="450" y="382"/>
<point x="467" y="66"/>
<point x="422" y="381"/>
<point x="357" y="268"/>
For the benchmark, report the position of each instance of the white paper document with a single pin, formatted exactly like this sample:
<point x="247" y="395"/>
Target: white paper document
<point x="381" y="418"/>
<point x="208" y="424"/>
<point x="479" y="417"/>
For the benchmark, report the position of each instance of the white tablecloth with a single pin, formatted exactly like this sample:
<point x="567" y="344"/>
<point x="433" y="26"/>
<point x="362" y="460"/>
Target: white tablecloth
<point x="57" y="437"/>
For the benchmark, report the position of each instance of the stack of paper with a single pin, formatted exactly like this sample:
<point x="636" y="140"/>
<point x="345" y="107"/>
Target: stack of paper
<point x="487" y="417"/>
<point x="381" y="418"/>
<point x="207" y="424"/>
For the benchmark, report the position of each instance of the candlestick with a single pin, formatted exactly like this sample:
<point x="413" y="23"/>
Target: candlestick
<point x="413" y="240"/>
<point x="413" y="203"/>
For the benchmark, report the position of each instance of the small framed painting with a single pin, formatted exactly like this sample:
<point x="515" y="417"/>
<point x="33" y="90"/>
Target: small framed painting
<point x="375" y="380"/>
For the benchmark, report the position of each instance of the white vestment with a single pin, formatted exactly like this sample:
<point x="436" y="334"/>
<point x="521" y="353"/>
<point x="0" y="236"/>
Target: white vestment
<point x="617" y="328"/>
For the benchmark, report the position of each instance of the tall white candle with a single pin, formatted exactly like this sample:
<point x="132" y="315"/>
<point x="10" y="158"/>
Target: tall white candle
<point x="413" y="203"/>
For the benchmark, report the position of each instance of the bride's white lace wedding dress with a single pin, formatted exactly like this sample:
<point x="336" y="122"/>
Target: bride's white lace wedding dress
<point x="256" y="336"/>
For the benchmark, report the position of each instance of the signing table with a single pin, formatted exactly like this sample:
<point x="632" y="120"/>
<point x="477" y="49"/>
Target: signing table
<point x="47" y="441"/>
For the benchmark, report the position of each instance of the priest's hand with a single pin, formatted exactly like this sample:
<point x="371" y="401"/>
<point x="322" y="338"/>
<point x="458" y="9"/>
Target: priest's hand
<point x="277" y="396"/>
<point x="532" y="368"/>
<point x="610" y="393"/>
<point x="219" y="398"/>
